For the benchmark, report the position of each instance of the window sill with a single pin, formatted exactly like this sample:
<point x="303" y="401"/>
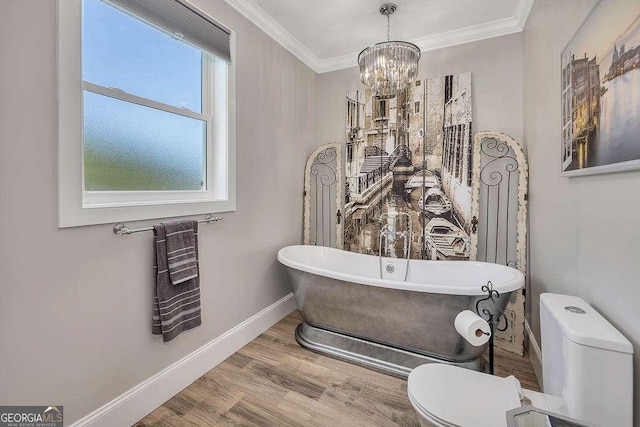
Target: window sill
<point x="110" y="199"/>
<point x="82" y="216"/>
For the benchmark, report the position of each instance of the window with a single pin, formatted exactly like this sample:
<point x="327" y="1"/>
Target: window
<point x="149" y="131"/>
<point x="452" y="144"/>
<point x="380" y="108"/>
<point x="469" y="161"/>
<point x="352" y="115"/>
<point x="461" y="145"/>
<point x="452" y="148"/>
<point x="448" y="88"/>
<point x="445" y="148"/>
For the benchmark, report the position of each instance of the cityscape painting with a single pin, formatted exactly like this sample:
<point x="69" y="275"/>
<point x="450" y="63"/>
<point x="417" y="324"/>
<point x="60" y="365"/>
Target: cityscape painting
<point x="408" y="167"/>
<point x="601" y="91"/>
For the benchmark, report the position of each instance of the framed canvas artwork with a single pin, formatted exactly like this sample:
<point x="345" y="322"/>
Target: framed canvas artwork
<point x="601" y="92"/>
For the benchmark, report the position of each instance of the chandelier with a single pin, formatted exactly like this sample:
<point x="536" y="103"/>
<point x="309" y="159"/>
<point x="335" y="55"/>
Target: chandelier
<point x="388" y="67"/>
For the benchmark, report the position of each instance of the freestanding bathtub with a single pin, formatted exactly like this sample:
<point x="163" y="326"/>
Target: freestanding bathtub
<point x="390" y="324"/>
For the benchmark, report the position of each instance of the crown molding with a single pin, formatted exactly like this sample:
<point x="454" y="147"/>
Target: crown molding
<point x="460" y="36"/>
<point x="250" y="10"/>
<point x="522" y="12"/>
<point x="266" y="23"/>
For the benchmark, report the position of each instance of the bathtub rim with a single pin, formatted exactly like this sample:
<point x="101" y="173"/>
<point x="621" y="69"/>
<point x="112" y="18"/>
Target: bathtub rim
<point x="517" y="282"/>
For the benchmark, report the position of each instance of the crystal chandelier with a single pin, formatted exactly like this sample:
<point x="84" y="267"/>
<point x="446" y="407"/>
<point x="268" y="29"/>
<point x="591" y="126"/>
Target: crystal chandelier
<point x="388" y="67"/>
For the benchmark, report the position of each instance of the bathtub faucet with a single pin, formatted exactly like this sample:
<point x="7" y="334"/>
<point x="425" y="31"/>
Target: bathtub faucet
<point x="389" y="234"/>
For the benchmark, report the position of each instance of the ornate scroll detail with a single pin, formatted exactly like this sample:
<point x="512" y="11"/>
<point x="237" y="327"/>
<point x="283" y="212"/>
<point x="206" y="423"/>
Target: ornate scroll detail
<point x="321" y="169"/>
<point x="494" y="315"/>
<point x="327" y="156"/>
<point x="493" y="172"/>
<point x="496" y="175"/>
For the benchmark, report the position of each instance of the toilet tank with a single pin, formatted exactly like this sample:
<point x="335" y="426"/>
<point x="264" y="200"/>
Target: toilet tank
<point x="586" y="361"/>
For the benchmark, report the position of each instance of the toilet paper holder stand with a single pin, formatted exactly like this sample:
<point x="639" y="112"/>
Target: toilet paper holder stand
<point x="492" y="319"/>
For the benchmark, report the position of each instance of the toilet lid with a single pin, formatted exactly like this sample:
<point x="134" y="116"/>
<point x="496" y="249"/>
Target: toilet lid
<point x="458" y="396"/>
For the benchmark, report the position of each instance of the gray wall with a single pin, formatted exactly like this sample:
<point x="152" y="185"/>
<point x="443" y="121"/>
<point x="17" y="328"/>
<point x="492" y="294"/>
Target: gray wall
<point x="584" y="231"/>
<point x="75" y="304"/>
<point x="496" y="84"/>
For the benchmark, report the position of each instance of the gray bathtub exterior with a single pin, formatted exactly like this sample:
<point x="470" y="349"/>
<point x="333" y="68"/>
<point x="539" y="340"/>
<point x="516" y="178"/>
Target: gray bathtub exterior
<point x="386" y="329"/>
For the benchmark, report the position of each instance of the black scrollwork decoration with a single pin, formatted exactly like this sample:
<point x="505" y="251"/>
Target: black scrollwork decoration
<point x="493" y="173"/>
<point x="321" y="170"/>
<point x="491" y="316"/>
<point x="326" y="156"/>
<point x="493" y="148"/>
<point x="325" y="177"/>
<point x="496" y="177"/>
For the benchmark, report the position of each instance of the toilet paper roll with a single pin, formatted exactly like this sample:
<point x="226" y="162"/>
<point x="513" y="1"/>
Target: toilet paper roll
<point x="472" y="328"/>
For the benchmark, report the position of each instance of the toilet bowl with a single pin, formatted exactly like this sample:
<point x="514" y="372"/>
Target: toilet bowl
<point x="587" y="370"/>
<point x="445" y="395"/>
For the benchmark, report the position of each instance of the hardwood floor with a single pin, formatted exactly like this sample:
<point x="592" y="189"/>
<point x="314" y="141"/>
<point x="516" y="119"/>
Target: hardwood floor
<point x="272" y="381"/>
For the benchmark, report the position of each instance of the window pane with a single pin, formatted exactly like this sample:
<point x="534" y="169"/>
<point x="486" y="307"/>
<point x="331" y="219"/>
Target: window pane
<point x="123" y="52"/>
<point x="129" y="147"/>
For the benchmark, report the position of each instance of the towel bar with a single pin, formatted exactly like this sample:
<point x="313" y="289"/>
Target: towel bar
<point x="121" y="229"/>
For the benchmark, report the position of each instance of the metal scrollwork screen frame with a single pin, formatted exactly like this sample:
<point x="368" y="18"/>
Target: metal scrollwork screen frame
<point x="323" y="171"/>
<point x="499" y="214"/>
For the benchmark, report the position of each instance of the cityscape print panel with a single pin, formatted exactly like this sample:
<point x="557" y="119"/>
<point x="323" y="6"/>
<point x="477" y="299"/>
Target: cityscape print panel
<point x="408" y="166"/>
<point x="601" y="91"/>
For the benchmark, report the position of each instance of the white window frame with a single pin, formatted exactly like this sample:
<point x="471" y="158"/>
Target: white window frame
<point x="77" y="207"/>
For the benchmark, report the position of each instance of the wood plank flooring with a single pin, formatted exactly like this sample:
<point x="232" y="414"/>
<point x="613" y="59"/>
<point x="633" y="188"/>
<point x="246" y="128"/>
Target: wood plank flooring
<point x="272" y="381"/>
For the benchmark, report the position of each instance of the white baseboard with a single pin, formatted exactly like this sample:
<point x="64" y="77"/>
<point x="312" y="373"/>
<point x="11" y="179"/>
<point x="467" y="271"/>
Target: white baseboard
<point x="535" y="355"/>
<point x="139" y="401"/>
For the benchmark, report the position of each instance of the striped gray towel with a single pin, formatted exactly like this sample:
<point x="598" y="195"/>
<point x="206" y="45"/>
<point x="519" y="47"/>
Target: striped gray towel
<point x="176" y="308"/>
<point x="181" y="250"/>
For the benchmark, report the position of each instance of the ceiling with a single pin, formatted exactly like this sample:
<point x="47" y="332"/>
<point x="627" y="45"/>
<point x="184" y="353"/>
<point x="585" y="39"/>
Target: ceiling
<point x="328" y="35"/>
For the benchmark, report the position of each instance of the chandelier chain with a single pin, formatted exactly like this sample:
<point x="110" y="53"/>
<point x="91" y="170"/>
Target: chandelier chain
<point x="388" y="28"/>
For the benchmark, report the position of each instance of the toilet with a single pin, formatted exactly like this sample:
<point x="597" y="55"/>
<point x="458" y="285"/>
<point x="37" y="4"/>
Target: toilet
<point x="587" y="375"/>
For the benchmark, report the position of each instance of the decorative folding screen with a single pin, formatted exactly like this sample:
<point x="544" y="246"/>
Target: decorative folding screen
<point x="323" y="189"/>
<point x="499" y="210"/>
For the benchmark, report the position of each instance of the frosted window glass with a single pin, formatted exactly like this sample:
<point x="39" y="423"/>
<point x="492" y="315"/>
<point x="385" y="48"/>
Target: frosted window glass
<point x="129" y="147"/>
<point x="123" y="52"/>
